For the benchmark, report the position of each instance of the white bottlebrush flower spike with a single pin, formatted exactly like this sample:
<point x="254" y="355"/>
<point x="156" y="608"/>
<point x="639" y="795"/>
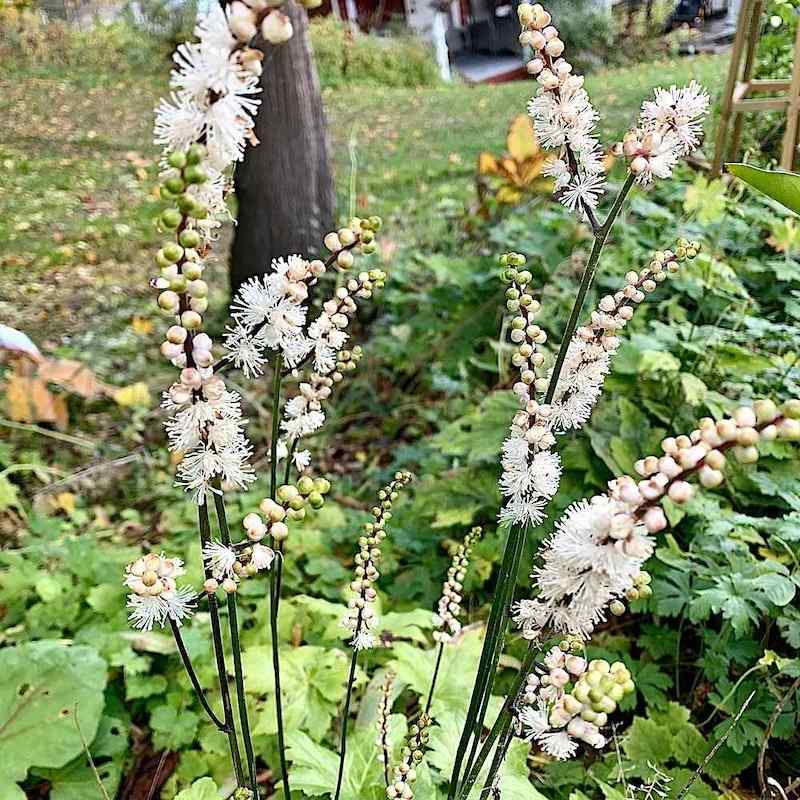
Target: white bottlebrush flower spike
<point x="220" y="560"/>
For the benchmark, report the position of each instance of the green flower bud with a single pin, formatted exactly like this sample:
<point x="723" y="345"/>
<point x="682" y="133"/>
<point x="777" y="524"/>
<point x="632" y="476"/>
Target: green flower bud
<point x="322" y="485"/>
<point x="297" y="502"/>
<point x="175" y="184"/>
<point x="162" y="260"/>
<point x="189" y="238"/>
<point x="316" y="500"/>
<point x="177" y="159"/>
<point x="171" y="218"/>
<point x="178" y="283"/>
<point x="186" y="203"/>
<point x="173" y="252"/>
<point x="286" y="492"/>
<point x="168" y="300"/>
<point x="195" y="174"/>
<point x="305" y="485"/>
<point x="375" y="223"/>
<point x="195" y="154"/>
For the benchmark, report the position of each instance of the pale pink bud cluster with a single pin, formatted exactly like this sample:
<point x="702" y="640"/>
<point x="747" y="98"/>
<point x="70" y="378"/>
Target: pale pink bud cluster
<point x="247" y="19"/>
<point x="563" y="116"/>
<point x="361" y="618"/>
<point x="155" y="596"/>
<point x="588" y="360"/>
<point x="449" y="607"/>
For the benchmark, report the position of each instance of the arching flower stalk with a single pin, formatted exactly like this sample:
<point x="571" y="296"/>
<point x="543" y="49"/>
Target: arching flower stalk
<point x="384" y="712"/>
<point x="564" y="119"/>
<point x="360" y="619"/>
<point x="594" y="560"/>
<point x="448" y="609"/>
<point x="405" y="774"/>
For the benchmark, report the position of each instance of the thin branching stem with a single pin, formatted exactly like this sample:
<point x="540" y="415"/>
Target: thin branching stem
<point x="439" y="654"/>
<point x="498" y="620"/>
<point x="238" y="672"/>
<point x="198" y="689"/>
<point x="275" y="575"/>
<point x="219" y="654"/>
<point x="351" y="678"/>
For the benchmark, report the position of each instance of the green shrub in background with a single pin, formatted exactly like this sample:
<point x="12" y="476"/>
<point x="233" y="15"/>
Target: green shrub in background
<point x="344" y="56"/>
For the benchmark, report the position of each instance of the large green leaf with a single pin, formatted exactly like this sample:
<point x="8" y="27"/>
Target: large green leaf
<point x="41" y="685"/>
<point x="781" y="186"/>
<point x="204" y="789"/>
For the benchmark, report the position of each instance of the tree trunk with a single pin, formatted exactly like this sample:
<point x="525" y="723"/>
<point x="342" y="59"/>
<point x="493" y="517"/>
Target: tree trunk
<point x="284" y="186"/>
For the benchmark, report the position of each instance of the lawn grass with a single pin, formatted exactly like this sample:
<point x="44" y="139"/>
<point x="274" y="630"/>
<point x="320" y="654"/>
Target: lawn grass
<point x="79" y="168"/>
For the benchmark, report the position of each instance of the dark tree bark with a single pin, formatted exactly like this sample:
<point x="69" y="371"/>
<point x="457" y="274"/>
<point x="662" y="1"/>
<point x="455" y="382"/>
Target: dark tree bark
<point x="284" y="186"/>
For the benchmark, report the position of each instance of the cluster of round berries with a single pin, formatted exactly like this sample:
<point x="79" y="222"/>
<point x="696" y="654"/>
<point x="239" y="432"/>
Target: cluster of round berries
<point x="640" y="590"/>
<point x="251" y="17"/>
<point x="524" y="332"/>
<point x="703" y="451"/>
<point x="290" y="504"/>
<point x="639" y="147"/>
<point x="346" y="361"/>
<point x="599" y="689"/>
<point x="153" y="575"/>
<point x="358" y="232"/>
<point x="182" y="291"/>
<point x="446" y="617"/>
<point x="384" y="711"/>
<point x="542" y="37"/>
<point x="414" y="751"/>
<point x="360" y="617"/>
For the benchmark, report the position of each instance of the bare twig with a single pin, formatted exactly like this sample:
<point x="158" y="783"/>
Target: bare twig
<point x="89" y="755"/>
<point x="762" y="781"/>
<point x="699" y="771"/>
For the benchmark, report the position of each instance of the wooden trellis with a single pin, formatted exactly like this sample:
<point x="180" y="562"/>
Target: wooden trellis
<point x="740" y="86"/>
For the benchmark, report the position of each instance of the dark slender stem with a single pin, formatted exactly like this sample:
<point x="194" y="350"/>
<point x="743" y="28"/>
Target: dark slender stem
<point x="506" y="735"/>
<point x="510" y="586"/>
<point x="501" y="724"/>
<point x="601" y="236"/>
<point x="198" y="689"/>
<point x="219" y="653"/>
<point x="345" y="714"/>
<point x="435" y="676"/>
<point x="494" y="628"/>
<point x="276" y="573"/>
<point x="238" y="672"/>
<point x="289" y="456"/>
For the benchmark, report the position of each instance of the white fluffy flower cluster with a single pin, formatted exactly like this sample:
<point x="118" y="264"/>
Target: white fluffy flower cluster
<point x="670" y="127"/>
<point x="303" y="414"/>
<point x="530" y="471"/>
<point x="588" y="358"/>
<point x="269" y="313"/>
<point x="568" y="701"/>
<point x="227" y="565"/>
<point x="155" y="596"/>
<point x="445" y="620"/>
<point x="206" y="427"/>
<point x="596" y="553"/>
<point x="361" y="618"/>
<point x="564" y="118"/>
<point x="214" y="83"/>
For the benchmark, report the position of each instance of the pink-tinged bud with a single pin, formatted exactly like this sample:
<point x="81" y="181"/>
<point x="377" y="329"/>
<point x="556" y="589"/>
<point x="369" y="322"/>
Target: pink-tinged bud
<point x="170" y="350"/>
<point x="748" y="437"/>
<point x="680" y="492"/>
<point x="654" y="520"/>
<point x="550" y="32"/>
<point x="203" y="358"/>
<point x="715" y="459"/>
<point x="727" y="430"/>
<point x="669" y="466"/>
<point x="710" y="478"/>
<point x="766" y="410"/>
<point x="669" y="446"/>
<point x="191" y="377"/>
<point x="554" y="47"/>
<point x="629" y="493"/>
<point x="789" y="429"/>
<point x="745" y="417"/>
<point x="769" y="433"/>
<point x="639" y="165"/>
<point x="541" y="18"/>
<point x="535" y="66"/>
<point x="202" y="341"/>
<point x="179" y="394"/>
<point x="711" y="437"/>
<point x="563" y="68"/>
<point x="559" y="677"/>
<point x="537" y="40"/>
<point x="575" y="665"/>
<point x="745" y="455"/>
<point x="276" y="27"/>
<point x="631" y="146"/>
<point x="241" y="21"/>
<point x="650" y="490"/>
<point x="176" y="334"/>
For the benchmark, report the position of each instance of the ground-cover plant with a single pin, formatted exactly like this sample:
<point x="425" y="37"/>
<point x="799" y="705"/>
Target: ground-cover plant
<point x="596" y="556"/>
